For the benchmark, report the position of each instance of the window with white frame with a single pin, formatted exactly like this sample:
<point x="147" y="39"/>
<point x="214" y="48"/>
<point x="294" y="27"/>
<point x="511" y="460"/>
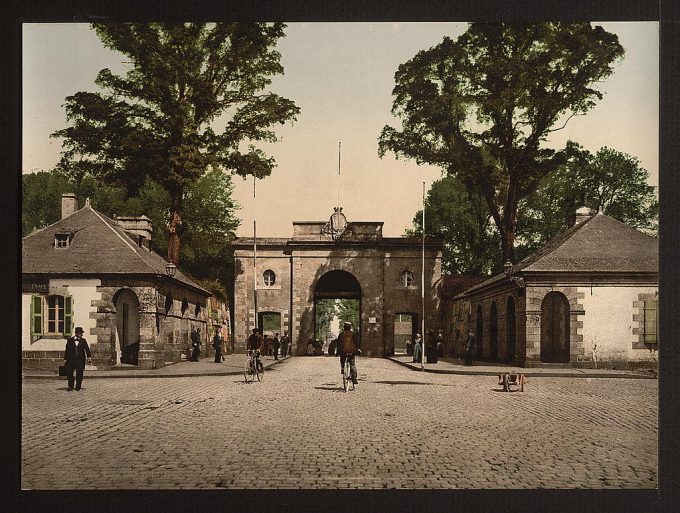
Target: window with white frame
<point x="51" y="315"/>
<point x="269" y="278"/>
<point x="406" y="278"/>
<point x="61" y="240"/>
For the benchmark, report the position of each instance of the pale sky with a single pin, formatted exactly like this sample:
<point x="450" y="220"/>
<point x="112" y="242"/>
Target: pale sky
<point x="341" y="76"/>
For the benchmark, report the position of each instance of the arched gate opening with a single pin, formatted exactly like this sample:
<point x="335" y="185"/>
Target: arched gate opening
<point x="337" y="298"/>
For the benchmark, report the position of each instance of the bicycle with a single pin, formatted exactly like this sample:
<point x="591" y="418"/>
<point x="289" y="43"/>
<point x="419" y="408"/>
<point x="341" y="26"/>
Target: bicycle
<point x="347" y="376"/>
<point x="253" y="370"/>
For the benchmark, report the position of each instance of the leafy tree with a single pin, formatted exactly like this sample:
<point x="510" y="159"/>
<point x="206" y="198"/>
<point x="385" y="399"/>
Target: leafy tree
<point x="482" y="106"/>
<point x="463" y="222"/>
<point x="41" y="199"/>
<point x="210" y="226"/>
<point x="193" y="99"/>
<point x="609" y="179"/>
<point x="348" y="310"/>
<point x="325" y="311"/>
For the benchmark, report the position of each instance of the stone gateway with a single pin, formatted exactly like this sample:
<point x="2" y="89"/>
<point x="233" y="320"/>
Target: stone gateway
<point x="284" y="278"/>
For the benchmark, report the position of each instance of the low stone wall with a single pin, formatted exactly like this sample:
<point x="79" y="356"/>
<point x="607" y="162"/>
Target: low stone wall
<point x="42" y="360"/>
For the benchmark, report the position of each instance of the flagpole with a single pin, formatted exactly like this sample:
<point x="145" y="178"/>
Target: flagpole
<point x="339" y="144"/>
<point x="422" y="289"/>
<point x="254" y="251"/>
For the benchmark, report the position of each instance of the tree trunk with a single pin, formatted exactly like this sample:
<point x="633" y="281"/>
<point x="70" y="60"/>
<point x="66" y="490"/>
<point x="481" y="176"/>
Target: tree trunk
<point x="174" y="224"/>
<point x="509" y="225"/>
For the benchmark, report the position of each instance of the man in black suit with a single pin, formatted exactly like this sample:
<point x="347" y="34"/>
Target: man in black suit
<point x="74" y="356"/>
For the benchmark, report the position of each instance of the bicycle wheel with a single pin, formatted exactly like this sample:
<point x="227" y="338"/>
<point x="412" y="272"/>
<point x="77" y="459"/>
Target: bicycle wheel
<point x="345" y="376"/>
<point x="249" y="371"/>
<point x="259" y="372"/>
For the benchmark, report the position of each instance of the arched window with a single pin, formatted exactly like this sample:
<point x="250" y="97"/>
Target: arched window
<point x="168" y="303"/>
<point x="269" y="278"/>
<point x="406" y="278"/>
<point x="185" y="305"/>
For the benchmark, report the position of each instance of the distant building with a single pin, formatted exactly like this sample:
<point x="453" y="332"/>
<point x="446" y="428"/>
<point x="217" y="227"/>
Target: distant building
<point x="588" y="297"/>
<point x="335" y="260"/>
<point x="99" y="273"/>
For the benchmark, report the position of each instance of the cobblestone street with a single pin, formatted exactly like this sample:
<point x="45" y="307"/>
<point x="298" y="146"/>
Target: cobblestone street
<point x="298" y="429"/>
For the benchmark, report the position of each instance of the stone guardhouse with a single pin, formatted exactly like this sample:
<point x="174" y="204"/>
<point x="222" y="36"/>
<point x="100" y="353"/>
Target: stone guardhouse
<point x="99" y="273"/>
<point x="589" y="298"/>
<point x="335" y="260"/>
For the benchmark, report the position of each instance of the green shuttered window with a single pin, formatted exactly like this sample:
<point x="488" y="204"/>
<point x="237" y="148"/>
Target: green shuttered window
<point x="36" y="315"/>
<point x="52" y="315"/>
<point x="651" y="321"/>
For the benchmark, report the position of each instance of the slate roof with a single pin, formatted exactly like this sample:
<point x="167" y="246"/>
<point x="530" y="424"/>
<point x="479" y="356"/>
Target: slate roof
<point x="98" y="246"/>
<point x="599" y="244"/>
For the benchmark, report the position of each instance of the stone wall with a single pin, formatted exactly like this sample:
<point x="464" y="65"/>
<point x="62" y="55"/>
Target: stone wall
<point x="500" y="298"/>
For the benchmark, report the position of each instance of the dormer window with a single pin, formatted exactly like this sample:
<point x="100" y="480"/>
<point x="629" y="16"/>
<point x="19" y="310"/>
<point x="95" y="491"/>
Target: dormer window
<point x="61" y="240"/>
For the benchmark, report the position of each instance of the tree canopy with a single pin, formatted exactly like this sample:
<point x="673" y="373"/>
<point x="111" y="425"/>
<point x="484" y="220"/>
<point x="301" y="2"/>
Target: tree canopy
<point x="482" y="107"/>
<point x="193" y="99"/>
<point x="609" y="179"/>
<point x="462" y="221"/>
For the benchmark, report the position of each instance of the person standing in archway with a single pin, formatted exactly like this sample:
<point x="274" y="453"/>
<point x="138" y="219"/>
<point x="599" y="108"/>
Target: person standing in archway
<point x="417" y="349"/>
<point x="284" y="345"/>
<point x="470" y="344"/>
<point x="195" y="344"/>
<point x="348" y="347"/>
<point x="217" y="344"/>
<point x="275" y="346"/>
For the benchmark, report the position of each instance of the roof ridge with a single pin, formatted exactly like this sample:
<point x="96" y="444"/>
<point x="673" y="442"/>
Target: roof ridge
<point x="626" y="225"/>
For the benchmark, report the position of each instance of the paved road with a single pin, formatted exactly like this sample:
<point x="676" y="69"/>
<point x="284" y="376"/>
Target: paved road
<point x="298" y="429"/>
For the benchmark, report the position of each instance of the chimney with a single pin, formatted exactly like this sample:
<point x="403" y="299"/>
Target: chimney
<point x="69" y="204"/>
<point x="139" y="227"/>
<point x="582" y="214"/>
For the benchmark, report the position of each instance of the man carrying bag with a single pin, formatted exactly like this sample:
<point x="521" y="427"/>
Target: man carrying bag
<point x="74" y="358"/>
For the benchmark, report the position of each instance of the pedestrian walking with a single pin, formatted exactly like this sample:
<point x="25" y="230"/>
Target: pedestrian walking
<point x="195" y="344"/>
<point x="417" y="349"/>
<point x="284" y="345"/>
<point x="470" y="344"/>
<point x="74" y="358"/>
<point x="275" y="346"/>
<point x="409" y="347"/>
<point x="267" y="345"/>
<point x="217" y="344"/>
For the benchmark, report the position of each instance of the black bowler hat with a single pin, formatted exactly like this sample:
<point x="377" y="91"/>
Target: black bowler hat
<point x="79" y="330"/>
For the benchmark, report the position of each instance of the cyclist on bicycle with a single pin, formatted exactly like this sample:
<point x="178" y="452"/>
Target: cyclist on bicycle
<point x="255" y="344"/>
<point x="348" y="346"/>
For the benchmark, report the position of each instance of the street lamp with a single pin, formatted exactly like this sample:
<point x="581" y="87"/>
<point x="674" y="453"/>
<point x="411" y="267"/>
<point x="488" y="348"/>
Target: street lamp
<point x="170" y="269"/>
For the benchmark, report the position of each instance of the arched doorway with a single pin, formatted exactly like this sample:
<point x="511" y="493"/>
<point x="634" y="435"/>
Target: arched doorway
<point x="127" y="326"/>
<point x="493" y="332"/>
<point x="479" y="332"/>
<point x="510" y="330"/>
<point x="337" y="297"/>
<point x="555" y="328"/>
